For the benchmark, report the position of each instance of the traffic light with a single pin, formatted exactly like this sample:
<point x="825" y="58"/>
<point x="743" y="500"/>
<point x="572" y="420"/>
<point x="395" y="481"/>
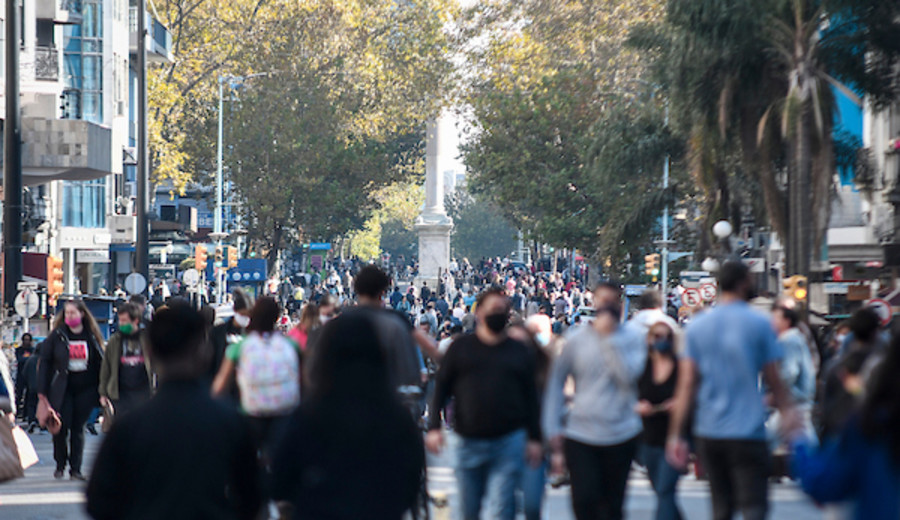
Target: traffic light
<point x="232" y="257"/>
<point x="651" y="264"/>
<point x="200" y="257"/>
<point x="55" y="274"/>
<point x="795" y="287"/>
<point x="219" y="256"/>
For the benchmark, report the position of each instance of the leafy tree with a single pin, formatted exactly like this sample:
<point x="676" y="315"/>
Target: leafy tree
<point x="479" y="229"/>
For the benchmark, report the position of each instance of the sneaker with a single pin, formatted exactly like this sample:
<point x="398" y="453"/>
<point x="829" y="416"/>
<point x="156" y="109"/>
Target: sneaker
<point x="92" y="429"/>
<point x="58" y="474"/>
<point x="76" y="475"/>
<point x="32" y="426"/>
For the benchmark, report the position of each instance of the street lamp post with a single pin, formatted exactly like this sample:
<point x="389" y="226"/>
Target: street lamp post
<point x="218" y="233"/>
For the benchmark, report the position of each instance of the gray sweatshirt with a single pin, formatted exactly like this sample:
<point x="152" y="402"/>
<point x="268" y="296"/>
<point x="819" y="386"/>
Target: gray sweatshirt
<point x="605" y="370"/>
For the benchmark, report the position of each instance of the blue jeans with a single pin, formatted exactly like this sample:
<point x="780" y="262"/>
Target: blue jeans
<point x="532" y="486"/>
<point x="664" y="479"/>
<point x="491" y="467"/>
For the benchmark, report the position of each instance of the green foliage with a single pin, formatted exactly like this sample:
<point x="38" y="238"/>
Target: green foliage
<point x="479" y="229"/>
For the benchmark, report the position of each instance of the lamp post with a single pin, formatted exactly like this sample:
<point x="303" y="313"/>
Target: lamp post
<point x="722" y="230"/>
<point x="218" y="233"/>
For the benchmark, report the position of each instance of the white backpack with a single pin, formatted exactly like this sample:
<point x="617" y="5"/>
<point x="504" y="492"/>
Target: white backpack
<point x="268" y="375"/>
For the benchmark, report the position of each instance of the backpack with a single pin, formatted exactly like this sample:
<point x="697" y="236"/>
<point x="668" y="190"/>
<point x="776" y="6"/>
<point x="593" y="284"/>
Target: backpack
<point x="268" y="375"/>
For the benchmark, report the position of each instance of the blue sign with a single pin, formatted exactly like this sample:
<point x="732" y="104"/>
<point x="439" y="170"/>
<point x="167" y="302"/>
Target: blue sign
<point x="320" y="246"/>
<point x="249" y="270"/>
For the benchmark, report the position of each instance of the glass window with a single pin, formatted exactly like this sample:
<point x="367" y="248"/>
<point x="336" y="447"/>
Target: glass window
<point x="83" y="63"/>
<point x="84" y="203"/>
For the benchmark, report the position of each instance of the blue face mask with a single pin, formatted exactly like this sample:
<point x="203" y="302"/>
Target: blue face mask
<point x="664" y="346"/>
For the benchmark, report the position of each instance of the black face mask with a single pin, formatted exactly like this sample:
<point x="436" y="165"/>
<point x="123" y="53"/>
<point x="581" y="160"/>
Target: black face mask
<point x="496" y="322"/>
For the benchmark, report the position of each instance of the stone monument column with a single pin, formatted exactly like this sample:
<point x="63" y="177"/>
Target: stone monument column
<point x="433" y="224"/>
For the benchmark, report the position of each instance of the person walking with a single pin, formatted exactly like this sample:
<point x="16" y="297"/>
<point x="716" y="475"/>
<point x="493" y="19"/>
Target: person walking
<point x="126" y="378"/>
<point x="656" y="390"/>
<point x="371" y="472"/>
<point x="309" y="321"/>
<point x="727" y="349"/>
<point x="267" y="367"/>
<point x="492" y="380"/>
<point x="184" y="456"/>
<point x="862" y="463"/>
<point x="68" y="378"/>
<point x="23" y="352"/>
<point x="598" y="440"/>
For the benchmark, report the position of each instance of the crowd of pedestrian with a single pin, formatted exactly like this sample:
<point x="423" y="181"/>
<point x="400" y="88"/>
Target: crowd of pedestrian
<point x="315" y="408"/>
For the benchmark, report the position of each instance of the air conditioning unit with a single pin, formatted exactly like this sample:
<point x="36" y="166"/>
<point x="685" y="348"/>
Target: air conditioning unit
<point x="122" y="229"/>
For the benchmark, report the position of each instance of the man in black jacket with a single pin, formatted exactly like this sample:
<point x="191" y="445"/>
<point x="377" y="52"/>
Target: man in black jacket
<point x="181" y="455"/>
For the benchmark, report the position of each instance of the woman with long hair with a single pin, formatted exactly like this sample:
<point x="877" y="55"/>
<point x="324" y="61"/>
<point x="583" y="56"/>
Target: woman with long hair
<point x="68" y="381"/>
<point x="309" y="320"/>
<point x="267" y="366"/>
<point x="351" y="434"/>
<point x="862" y="464"/>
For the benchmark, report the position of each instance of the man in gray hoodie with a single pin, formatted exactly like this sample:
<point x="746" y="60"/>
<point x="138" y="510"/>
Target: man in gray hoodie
<point x="598" y="439"/>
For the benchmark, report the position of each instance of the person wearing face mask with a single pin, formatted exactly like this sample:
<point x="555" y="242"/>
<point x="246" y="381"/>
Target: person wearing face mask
<point x="230" y="332"/>
<point x="68" y="377"/>
<point x="327" y="308"/>
<point x="126" y="378"/>
<point x="598" y="439"/>
<point x="492" y="379"/>
<point x="656" y="388"/>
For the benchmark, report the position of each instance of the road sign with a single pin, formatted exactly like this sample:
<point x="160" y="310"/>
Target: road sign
<point x="708" y="292"/>
<point x="191" y="277"/>
<point x="756" y="265"/>
<point x="27" y="303"/>
<point x="21" y="286"/>
<point x="691" y="298"/>
<point x="883" y="309"/>
<point x="135" y="283"/>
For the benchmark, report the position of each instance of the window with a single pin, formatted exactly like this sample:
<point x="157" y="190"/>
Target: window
<point x="45" y="33"/>
<point x="84" y="203"/>
<point x="83" y="62"/>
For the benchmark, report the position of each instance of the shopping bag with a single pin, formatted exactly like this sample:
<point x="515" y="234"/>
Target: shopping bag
<point x="27" y="456"/>
<point x="10" y="466"/>
<point x="109" y="415"/>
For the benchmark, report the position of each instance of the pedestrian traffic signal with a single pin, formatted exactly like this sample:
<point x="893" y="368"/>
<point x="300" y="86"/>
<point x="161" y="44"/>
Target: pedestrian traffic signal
<point x="219" y="256"/>
<point x="55" y="274"/>
<point x="651" y="264"/>
<point x="795" y="287"/>
<point x="232" y="257"/>
<point x="200" y="257"/>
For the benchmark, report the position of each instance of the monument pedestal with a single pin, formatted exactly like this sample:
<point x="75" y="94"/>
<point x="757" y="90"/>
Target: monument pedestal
<point x="434" y="249"/>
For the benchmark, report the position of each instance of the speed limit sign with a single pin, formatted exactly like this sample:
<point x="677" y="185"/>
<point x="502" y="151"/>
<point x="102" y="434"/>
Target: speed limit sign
<point x="691" y="298"/>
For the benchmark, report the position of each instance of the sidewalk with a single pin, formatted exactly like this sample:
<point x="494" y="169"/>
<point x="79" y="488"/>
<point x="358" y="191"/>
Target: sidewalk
<point x="39" y="496"/>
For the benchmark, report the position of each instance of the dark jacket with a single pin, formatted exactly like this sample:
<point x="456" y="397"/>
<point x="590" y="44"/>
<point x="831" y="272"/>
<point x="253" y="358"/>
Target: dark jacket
<point x="182" y="456"/>
<point x="53" y="368"/>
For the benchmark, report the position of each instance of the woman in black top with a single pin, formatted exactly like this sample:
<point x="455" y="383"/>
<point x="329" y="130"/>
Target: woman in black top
<point x="351" y="450"/>
<point x="655" y="391"/>
<point x="68" y="380"/>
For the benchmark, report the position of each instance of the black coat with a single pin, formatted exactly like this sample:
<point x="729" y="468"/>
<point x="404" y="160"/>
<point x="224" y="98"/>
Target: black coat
<point x="53" y="366"/>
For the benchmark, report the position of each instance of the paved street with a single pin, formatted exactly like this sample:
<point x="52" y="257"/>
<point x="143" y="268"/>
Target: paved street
<point x="39" y="497"/>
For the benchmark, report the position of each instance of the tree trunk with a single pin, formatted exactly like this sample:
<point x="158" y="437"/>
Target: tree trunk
<point x="272" y="257"/>
<point x="806" y="222"/>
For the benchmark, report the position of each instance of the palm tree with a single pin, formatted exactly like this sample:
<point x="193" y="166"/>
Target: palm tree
<point x="807" y="111"/>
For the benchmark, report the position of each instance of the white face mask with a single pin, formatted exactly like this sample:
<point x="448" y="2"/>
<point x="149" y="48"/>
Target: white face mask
<point x="241" y="321"/>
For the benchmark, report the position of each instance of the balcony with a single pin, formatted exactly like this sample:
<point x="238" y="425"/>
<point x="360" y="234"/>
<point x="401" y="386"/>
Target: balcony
<point x="66" y="149"/>
<point x="46" y="64"/>
<point x="159" y="39"/>
<point x="64" y="12"/>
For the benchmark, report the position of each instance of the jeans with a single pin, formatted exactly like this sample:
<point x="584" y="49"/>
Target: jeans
<point x="532" y="486"/>
<point x="491" y="467"/>
<point x="75" y="411"/>
<point x="664" y="479"/>
<point x="599" y="475"/>
<point x="738" y="473"/>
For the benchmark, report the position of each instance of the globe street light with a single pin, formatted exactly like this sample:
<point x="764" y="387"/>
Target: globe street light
<point x="710" y="265"/>
<point x="722" y="229"/>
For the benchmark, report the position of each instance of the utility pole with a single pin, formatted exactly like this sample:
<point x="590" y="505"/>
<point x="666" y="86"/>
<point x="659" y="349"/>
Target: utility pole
<point x="12" y="161"/>
<point x="142" y="247"/>
<point x="664" y="268"/>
